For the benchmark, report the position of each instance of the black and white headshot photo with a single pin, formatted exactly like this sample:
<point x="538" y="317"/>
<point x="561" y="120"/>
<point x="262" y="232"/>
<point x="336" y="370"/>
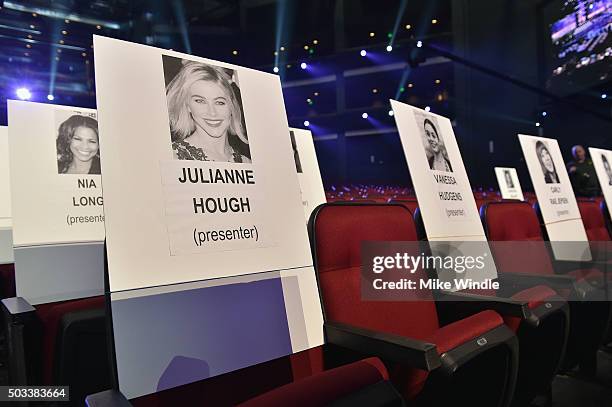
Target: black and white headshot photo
<point x="296" y="154"/>
<point x="78" y="148"/>
<point x="546" y="162"/>
<point x="433" y="143"/>
<point x="508" y="178"/>
<point x="606" y="165"/>
<point x="205" y="110"/>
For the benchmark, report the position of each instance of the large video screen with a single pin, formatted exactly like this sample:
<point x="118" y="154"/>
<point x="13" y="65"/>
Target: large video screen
<point x="581" y="36"/>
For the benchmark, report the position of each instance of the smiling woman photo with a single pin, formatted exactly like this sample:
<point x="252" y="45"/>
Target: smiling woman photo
<point x="78" y="150"/>
<point x="547" y="164"/>
<point x="206" y="115"/>
<point x="438" y="159"/>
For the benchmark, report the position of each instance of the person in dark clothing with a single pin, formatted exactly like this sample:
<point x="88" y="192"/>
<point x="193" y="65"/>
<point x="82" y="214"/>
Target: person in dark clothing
<point x="582" y="173"/>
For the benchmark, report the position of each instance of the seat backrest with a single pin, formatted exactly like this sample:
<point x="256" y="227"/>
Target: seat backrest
<point x="411" y="204"/>
<point x="73" y="347"/>
<point x="7" y="280"/>
<point x="515" y="222"/>
<point x="332" y="386"/>
<point x="593" y="220"/>
<point x="337" y="231"/>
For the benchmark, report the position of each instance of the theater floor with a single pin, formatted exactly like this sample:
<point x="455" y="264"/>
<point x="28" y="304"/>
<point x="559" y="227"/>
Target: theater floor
<point x="572" y="390"/>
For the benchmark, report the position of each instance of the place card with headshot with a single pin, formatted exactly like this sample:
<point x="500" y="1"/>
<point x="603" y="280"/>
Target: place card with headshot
<point x="602" y="160"/>
<point x="56" y="201"/>
<point x="509" y="185"/>
<point x="446" y="201"/>
<point x="307" y="167"/>
<point x="556" y="198"/>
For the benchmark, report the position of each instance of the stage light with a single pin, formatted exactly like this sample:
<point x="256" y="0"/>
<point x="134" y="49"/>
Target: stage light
<point x="391" y="113"/>
<point x="389" y="48"/>
<point x="434" y="21"/>
<point x="315" y="42"/>
<point x="427" y="108"/>
<point x="50" y="97"/>
<point x="537" y="124"/>
<point x="437" y="81"/>
<point x="544" y="114"/>
<point x="306" y="123"/>
<point x="235" y="52"/>
<point x="99" y="27"/>
<point x="604" y="96"/>
<point x="64" y="32"/>
<point x="316" y="93"/>
<point x="364" y="115"/>
<point x="408" y="26"/>
<point x="372" y="34"/>
<point x="275" y="69"/>
<point x="275" y="53"/>
<point x="363" y="53"/>
<point x="419" y="44"/>
<point x="282" y="48"/>
<point x="306" y="47"/>
<point x="374" y="90"/>
<point x="303" y="65"/>
<point x="28" y="46"/>
<point x="410" y="85"/>
<point x="23" y="93"/>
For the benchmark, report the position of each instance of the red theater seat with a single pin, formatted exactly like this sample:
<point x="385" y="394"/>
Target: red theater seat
<point x="537" y="314"/>
<point x="593" y="220"/>
<point x="7" y="280"/>
<point x="430" y="364"/>
<point x="411" y="204"/>
<point x="361" y="383"/>
<point x="61" y="343"/>
<point x="518" y="222"/>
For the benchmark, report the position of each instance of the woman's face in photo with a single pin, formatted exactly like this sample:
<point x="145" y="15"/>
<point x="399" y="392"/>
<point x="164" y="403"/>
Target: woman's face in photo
<point x="84" y="144"/>
<point x="606" y="165"/>
<point x="547" y="160"/>
<point x="209" y="106"/>
<point x="432" y="138"/>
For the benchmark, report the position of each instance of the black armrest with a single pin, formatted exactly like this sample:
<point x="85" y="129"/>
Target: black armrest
<point x="22" y="341"/>
<point x="107" y="398"/>
<point x="413" y="352"/>
<point x="16" y="309"/>
<point x="467" y="303"/>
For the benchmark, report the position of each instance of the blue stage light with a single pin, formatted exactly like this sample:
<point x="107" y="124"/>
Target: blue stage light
<point x="303" y="65"/>
<point x="23" y="93"/>
<point x="364" y="115"/>
<point x="50" y="97"/>
<point x="306" y="123"/>
<point x="363" y="53"/>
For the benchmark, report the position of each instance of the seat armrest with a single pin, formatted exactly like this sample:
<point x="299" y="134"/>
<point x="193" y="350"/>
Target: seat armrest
<point x="107" y="398"/>
<point x="16" y="309"/>
<point x="467" y="303"/>
<point x="413" y="352"/>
